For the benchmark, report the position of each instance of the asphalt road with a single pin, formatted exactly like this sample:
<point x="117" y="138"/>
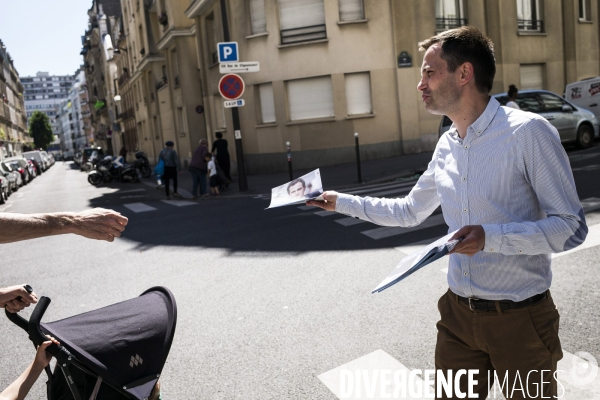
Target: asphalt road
<point x="269" y="301"/>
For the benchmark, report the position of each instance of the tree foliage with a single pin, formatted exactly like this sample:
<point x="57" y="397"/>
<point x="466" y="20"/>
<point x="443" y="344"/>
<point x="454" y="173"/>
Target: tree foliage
<point x="40" y="130"/>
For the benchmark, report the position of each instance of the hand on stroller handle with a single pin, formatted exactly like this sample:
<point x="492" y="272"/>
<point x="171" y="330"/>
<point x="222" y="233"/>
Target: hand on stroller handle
<point x="33" y="327"/>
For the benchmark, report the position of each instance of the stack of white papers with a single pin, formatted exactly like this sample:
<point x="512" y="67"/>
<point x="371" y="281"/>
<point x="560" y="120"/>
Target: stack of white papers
<point x="418" y="260"/>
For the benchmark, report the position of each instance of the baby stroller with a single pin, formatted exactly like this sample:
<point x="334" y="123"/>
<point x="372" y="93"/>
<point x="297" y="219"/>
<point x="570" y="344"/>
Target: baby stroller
<point x="113" y="353"/>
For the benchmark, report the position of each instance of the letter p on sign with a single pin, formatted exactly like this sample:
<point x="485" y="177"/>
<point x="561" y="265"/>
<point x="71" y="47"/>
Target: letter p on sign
<point x="228" y="52"/>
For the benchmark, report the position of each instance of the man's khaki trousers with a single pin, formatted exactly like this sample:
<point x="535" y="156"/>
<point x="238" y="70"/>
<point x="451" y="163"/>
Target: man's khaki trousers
<point x="520" y="345"/>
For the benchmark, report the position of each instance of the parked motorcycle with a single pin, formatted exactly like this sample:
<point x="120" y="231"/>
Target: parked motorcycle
<point x="141" y="163"/>
<point x="107" y="169"/>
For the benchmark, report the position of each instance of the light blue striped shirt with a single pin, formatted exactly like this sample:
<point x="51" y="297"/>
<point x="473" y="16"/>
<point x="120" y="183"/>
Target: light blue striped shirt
<point x="512" y="176"/>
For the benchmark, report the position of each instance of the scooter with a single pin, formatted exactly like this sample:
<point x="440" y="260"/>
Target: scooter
<point x="108" y="169"/>
<point x="141" y="162"/>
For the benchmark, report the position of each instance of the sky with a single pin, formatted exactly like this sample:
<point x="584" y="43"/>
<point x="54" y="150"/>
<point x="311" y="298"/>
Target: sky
<point x="44" y="35"/>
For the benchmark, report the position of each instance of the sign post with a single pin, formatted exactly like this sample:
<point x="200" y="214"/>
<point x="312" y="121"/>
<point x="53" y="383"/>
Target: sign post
<point x="239" y="148"/>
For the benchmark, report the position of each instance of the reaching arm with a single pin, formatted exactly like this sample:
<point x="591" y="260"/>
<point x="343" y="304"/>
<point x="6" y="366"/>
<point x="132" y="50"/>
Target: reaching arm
<point x="98" y="223"/>
<point x="546" y="168"/>
<point x="19" y="389"/>
<point x="408" y="211"/>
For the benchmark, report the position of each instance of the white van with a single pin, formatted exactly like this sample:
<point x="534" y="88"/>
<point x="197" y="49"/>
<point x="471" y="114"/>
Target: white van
<point x="37" y="156"/>
<point x="586" y="94"/>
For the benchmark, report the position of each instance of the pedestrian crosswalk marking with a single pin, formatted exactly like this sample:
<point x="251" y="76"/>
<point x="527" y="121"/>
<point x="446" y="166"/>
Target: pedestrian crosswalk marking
<point x="304" y="208"/>
<point x="349" y="221"/>
<point x="396" y="185"/>
<point x="139" y="207"/>
<point x="385" y="232"/>
<point x="325" y="213"/>
<point x="578" y="377"/>
<point x="179" y="203"/>
<point x="131" y="191"/>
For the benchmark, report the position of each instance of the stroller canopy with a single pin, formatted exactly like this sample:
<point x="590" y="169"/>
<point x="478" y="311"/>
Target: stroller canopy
<point x="127" y="343"/>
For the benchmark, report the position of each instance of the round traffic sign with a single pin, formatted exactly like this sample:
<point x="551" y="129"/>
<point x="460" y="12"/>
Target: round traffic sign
<point x="231" y="86"/>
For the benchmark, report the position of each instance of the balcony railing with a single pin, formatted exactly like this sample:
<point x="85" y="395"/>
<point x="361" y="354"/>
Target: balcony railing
<point x="304" y="34"/>
<point x="443" y="24"/>
<point x="530" y="25"/>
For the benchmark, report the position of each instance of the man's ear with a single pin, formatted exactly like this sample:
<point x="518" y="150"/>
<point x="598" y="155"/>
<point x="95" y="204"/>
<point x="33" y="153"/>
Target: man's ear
<point x="467" y="73"/>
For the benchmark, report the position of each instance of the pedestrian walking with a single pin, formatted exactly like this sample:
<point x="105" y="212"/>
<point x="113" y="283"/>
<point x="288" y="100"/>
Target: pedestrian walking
<point x="505" y="186"/>
<point x="172" y="167"/>
<point x="198" y="169"/>
<point x="212" y="174"/>
<point x="219" y="149"/>
<point x="513" y="92"/>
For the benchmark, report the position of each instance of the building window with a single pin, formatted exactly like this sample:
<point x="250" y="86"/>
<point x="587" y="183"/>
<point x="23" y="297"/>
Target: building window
<point x="358" y="93"/>
<point x="267" y="103"/>
<point x="529" y="16"/>
<point x="257" y="15"/>
<point x="351" y="10"/>
<point x="310" y="98"/>
<point x="585" y="10"/>
<point x="211" y="40"/>
<point x="532" y="76"/>
<point x="301" y="21"/>
<point x="449" y="14"/>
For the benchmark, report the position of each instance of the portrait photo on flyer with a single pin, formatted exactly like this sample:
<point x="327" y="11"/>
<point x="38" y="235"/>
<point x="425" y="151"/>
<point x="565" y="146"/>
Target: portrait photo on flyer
<point x="297" y="191"/>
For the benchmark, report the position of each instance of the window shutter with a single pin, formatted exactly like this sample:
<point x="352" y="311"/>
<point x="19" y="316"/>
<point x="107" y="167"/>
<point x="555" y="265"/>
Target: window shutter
<point x="257" y="12"/>
<point x="301" y="13"/>
<point x="358" y="93"/>
<point x="310" y="98"/>
<point x="532" y="76"/>
<point x="351" y="10"/>
<point x="267" y="103"/>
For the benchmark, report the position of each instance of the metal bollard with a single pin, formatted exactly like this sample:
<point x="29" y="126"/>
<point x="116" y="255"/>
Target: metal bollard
<point x="357" y="157"/>
<point x="289" y="156"/>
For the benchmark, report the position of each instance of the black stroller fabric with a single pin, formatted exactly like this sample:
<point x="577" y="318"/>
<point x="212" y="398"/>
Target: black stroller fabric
<point x="126" y="344"/>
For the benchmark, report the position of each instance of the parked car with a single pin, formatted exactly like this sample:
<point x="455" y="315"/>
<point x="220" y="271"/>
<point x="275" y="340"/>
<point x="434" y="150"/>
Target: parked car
<point x="36" y="166"/>
<point x="48" y="157"/>
<point x="4" y="186"/>
<point x="37" y="155"/>
<point x="12" y="176"/>
<point x="22" y="167"/>
<point x="585" y="93"/>
<point x="574" y="124"/>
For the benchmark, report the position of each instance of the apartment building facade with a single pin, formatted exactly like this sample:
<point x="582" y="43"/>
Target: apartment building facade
<point x="74" y="114"/>
<point x="101" y="72"/>
<point x="44" y="93"/>
<point x="329" y="69"/>
<point x="158" y="81"/>
<point x="13" y="120"/>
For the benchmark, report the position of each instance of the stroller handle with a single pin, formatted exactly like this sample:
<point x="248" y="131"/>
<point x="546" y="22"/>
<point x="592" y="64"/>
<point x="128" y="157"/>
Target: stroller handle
<point x="18" y="320"/>
<point x="35" y="333"/>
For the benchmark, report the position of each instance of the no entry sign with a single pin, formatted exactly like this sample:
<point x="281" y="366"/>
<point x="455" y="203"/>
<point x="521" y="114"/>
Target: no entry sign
<point x="231" y="86"/>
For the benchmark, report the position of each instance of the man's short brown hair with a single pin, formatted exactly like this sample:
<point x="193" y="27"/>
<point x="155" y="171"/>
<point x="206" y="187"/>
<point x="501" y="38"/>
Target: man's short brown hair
<point x="467" y="44"/>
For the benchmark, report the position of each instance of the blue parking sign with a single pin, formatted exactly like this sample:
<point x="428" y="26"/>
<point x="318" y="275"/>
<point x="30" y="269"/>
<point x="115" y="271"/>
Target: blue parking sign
<point x="228" y="51"/>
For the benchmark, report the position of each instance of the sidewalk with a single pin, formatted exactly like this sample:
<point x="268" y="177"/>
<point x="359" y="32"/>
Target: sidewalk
<point x="334" y="177"/>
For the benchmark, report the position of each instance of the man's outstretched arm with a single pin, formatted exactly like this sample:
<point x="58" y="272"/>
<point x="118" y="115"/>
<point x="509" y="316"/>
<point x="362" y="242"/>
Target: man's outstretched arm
<point x="98" y="223"/>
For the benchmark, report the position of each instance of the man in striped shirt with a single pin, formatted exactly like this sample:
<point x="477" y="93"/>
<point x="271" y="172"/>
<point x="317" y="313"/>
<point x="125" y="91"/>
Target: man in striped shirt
<point x="504" y="183"/>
